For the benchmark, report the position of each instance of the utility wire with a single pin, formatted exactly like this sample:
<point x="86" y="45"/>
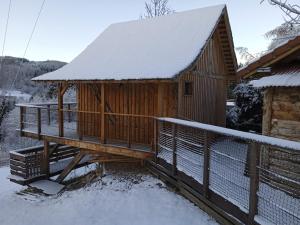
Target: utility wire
<point x="30" y="37"/>
<point x="5" y="34"/>
<point x="3" y="108"/>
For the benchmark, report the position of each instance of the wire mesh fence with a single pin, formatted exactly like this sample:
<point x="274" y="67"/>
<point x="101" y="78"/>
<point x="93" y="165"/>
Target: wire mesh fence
<point x="263" y="186"/>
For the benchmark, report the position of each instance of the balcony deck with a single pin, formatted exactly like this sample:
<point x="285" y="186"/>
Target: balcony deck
<point x="40" y="122"/>
<point x="71" y="138"/>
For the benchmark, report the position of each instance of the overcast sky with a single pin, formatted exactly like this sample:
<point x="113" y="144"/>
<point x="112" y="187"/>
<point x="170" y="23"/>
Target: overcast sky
<point x="66" y="27"/>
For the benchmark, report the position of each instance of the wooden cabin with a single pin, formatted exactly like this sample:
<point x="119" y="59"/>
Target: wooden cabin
<point x="277" y="73"/>
<point x="171" y="66"/>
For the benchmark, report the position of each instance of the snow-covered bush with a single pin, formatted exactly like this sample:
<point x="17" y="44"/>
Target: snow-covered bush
<point x="246" y="115"/>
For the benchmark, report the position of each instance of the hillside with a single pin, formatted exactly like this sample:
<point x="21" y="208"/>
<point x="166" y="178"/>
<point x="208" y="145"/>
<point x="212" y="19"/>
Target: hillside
<point x="28" y="69"/>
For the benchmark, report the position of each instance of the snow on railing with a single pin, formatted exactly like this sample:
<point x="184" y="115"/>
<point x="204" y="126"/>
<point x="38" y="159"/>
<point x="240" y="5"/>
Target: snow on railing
<point x="281" y="143"/>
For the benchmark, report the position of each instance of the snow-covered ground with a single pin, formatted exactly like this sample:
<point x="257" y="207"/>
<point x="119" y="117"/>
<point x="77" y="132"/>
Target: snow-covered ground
<point x="14" y="93"/>
<point x="128" y="198"/>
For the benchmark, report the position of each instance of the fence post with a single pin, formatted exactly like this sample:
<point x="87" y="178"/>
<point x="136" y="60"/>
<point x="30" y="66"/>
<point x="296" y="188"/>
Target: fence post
<point x="39" y="123"/>
<point x="206" y="164"/>
<point x="155" y="138"/>
<point x="22" y="111"/>
<point x="174" y="147"/>
<point x="254" y="180"/>
<point x="48" y="113"/>
<point x="46" y="158"/>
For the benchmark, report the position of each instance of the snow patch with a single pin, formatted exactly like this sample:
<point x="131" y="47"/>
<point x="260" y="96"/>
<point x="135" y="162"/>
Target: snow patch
<point x="47" y="186"/>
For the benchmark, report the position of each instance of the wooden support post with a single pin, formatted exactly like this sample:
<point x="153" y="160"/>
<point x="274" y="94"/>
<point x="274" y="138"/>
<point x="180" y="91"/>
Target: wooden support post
<point x="39" y="122"/>
<point x="46" y="170"/>
<point x="22" y="112"/>
<point x="155" y="135"/>
<point x="48" y="114"/>
<point x="69" y="113"/>
<point x="102" y="113"/>
<point x="129" y="132"/>
<point x="60" y="111"/>
<point x="206" y="164"/>
<point x="80" y="125"/>
<point x="174" y="148"/>
<point x="70" y="167"/>
<point x="254" y="180"/>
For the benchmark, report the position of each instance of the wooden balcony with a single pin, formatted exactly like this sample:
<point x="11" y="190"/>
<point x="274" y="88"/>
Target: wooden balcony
<point x="119" y="134"/>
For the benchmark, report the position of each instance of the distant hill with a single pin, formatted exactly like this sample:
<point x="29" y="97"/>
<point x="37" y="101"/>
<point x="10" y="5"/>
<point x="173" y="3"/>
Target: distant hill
<point x="28" y="70"/>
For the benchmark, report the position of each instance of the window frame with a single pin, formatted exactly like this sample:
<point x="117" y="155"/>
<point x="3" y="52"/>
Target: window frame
<point x="188" y="84"/>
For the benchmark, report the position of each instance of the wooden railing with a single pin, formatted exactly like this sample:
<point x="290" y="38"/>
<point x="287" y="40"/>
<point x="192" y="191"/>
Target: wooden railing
<point x="126" y="129"/>
<point x="30" y="164"/>
<point x="252" y="177"/>
<point x="48" y="107"/>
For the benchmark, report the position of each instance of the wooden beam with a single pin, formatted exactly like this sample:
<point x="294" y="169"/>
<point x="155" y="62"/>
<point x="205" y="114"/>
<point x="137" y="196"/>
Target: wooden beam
<point x="51" y="150"/>
<point x="102" y="138"/>
<point x="206" y="165"/>
<point x="22" y="116"/>
<point x="48" y="115"/>
<point x="64" y="88"/>
<point x="160" y="100"/>
<point x="267" y="111"/>
<point x="174" y="148"/>
<point x="39" y="122"/>
<point x="46" y="158"/>
<point x="254" y="181"/>
<point x="60" y="106"/>
<point x="70" y="167"/>
<point x="117" y="150"/>
<point x="170" y="80"/>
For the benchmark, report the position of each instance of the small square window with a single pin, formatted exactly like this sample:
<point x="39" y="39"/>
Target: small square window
<point x="188" y="88"/>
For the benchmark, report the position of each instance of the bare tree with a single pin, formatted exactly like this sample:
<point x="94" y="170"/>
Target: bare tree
<point x="292" y="11"/>
<point x="282" y="33"/>
<point x="157" y="8"/>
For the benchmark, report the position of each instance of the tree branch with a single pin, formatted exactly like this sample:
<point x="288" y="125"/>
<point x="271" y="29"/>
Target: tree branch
<point x="292" y="11"/>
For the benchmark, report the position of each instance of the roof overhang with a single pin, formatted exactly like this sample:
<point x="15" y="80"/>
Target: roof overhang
<point x="270" y="58"/>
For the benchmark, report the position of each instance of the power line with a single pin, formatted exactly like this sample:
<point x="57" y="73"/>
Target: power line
<point x="5" y="34"/>
<point x="30" y="37"/>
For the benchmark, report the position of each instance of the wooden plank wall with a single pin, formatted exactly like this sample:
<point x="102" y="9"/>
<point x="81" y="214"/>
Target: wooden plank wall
<point x="89" y="123"/>
<point x="208" y="102"/>
<point x="146" y="99"/>
<point x="282" y="113"/>
<point x="281" y="119"/>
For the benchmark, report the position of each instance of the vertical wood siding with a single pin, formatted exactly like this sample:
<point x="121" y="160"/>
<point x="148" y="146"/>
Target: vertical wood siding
<point x="208" y="102"/>
<point x="146" y="99"/>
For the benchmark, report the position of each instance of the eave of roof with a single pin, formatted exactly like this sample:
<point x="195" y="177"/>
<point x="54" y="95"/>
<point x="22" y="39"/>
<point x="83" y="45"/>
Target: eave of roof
<point x="288" y="79"/>
<point x="270" y="58"/>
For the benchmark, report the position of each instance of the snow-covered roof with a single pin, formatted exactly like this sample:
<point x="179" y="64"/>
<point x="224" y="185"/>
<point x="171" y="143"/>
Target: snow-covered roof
<point x="157" y="48"/>
<point x="270" y="57"/>
<point x="291" y="79"/>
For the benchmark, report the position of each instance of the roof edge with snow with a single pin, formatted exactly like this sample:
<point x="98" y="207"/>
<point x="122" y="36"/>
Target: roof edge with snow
<point x="270" y="57"/>
<point x="101" y="61"/>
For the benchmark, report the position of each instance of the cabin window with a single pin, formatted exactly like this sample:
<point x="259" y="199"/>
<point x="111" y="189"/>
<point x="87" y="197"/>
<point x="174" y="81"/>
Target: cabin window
<point x="188" y="88"/>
